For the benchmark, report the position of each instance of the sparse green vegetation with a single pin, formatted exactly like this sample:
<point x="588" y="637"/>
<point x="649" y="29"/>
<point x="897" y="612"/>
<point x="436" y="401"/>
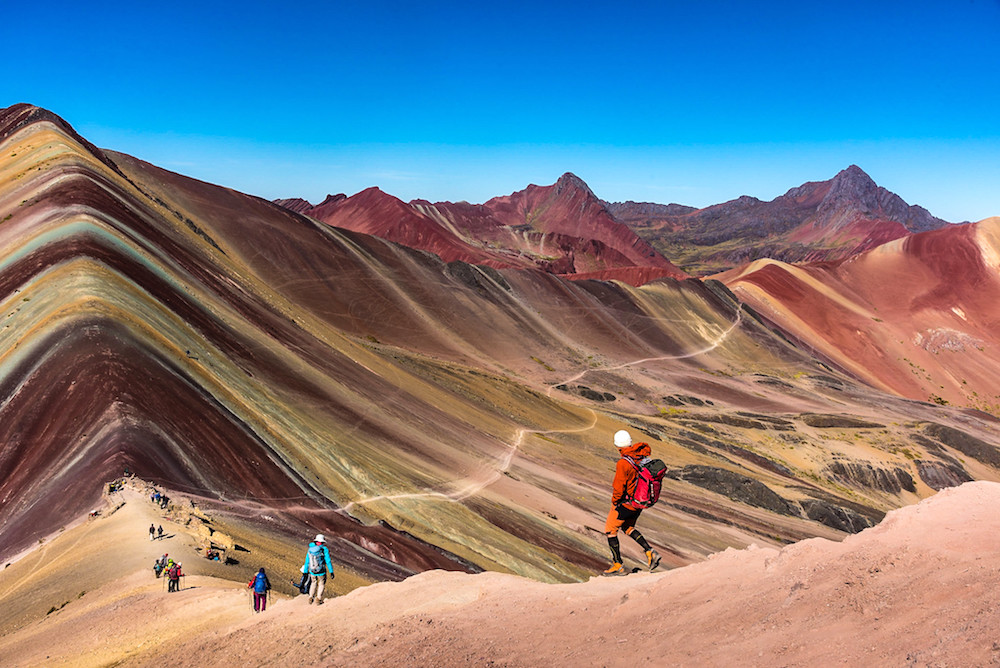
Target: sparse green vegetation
<point x="541" y="363"/>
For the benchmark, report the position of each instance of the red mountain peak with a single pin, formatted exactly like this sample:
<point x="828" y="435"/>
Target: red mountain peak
<point x="570" y="181"/>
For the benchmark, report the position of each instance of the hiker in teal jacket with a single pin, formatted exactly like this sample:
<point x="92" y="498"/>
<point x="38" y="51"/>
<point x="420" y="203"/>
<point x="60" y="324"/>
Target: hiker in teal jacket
<point x="317" y="565"/>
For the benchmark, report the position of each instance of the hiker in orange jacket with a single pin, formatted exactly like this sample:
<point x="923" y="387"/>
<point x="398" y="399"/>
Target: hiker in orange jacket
<point x="623" y="515"/>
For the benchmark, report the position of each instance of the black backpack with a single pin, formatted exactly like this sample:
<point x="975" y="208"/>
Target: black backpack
<point x="303" y="584"/>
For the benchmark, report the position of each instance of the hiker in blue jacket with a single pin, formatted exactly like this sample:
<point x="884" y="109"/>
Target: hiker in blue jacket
<point x="259" y="584"/>
<point x="317" y="565"/>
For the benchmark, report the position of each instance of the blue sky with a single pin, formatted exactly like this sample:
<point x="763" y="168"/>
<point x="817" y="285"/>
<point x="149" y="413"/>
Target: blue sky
<point x="695" y="103"/>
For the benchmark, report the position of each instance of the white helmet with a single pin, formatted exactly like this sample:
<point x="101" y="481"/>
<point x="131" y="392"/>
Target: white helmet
<point x="622" y="439"/>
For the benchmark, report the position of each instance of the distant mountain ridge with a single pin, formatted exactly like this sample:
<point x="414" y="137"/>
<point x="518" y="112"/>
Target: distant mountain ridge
<point x="822" y="220"/>
<point x="562" y="229"/>
<point x="566" y="229"/>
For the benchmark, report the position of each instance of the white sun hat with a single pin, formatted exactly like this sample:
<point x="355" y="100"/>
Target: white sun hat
<point x="622" y="439"/>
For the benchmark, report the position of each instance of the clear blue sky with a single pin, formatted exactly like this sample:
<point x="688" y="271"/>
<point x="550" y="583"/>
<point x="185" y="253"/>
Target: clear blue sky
<point x="690" y="102"/>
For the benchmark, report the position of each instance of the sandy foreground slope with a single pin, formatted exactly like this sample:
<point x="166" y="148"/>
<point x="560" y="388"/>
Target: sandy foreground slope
<point x="921" y="588"/>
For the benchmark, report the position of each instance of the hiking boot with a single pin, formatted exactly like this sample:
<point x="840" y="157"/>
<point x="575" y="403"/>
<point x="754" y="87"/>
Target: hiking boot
<point x="653" y="558"/>
<point x="310" y="600"/>
<point x="616" y="569"/>
<point x="319" y="601"/>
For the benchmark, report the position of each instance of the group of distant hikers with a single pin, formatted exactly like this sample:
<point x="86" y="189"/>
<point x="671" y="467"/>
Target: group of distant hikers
<point x="314" y="574"/>
<point x="170" y="569"/>
<point x="636" y="486"/>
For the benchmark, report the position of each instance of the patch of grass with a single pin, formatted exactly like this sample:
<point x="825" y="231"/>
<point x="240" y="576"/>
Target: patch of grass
<point x="541" y="363"/>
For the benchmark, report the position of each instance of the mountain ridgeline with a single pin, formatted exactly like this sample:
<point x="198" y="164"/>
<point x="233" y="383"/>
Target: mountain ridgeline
<point x="567" y="230"/>
<point x="819" y="221"/>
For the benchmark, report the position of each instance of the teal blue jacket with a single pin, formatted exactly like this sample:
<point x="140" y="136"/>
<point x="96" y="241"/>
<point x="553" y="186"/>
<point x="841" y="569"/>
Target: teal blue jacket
<point x="318" y="549"/>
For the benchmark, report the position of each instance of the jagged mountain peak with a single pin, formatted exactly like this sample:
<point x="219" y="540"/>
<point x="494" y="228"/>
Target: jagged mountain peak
<point x="852" y="192"/>
<point x="333" y="199"/>
<point x="854" y="173"/>
<point x="853" y="183"/>
<point x="569" y="180"/>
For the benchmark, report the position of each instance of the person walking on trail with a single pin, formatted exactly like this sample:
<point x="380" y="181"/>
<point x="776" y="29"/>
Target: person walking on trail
<point x="317" y="565"/>
<point x="623" y="515"/>
<point x="174" y="575"/>
<point x="152" y="532"/>
<point x="260" y="586"/>
<point x="159" y="531"/>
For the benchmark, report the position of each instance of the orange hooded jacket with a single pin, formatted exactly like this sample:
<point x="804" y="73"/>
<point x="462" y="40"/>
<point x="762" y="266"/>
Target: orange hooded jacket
<point x="624" y="485"/>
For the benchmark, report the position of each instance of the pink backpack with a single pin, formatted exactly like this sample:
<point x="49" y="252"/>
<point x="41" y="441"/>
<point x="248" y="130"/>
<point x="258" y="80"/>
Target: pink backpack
<point x="648" y="479"/>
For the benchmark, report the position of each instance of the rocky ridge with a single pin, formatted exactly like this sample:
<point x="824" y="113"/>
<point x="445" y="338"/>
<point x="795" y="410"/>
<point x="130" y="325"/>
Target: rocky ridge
<point x="561" y="229"/>
<point x="825" y="220"/>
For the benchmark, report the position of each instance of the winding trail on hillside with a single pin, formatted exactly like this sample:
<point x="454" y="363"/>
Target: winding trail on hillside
<point x="476" y="486"/>
<point x="715" y="343"/>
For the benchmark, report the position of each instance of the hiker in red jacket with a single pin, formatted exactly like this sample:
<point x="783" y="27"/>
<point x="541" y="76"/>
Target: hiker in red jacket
<point x="623" y="515"/>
